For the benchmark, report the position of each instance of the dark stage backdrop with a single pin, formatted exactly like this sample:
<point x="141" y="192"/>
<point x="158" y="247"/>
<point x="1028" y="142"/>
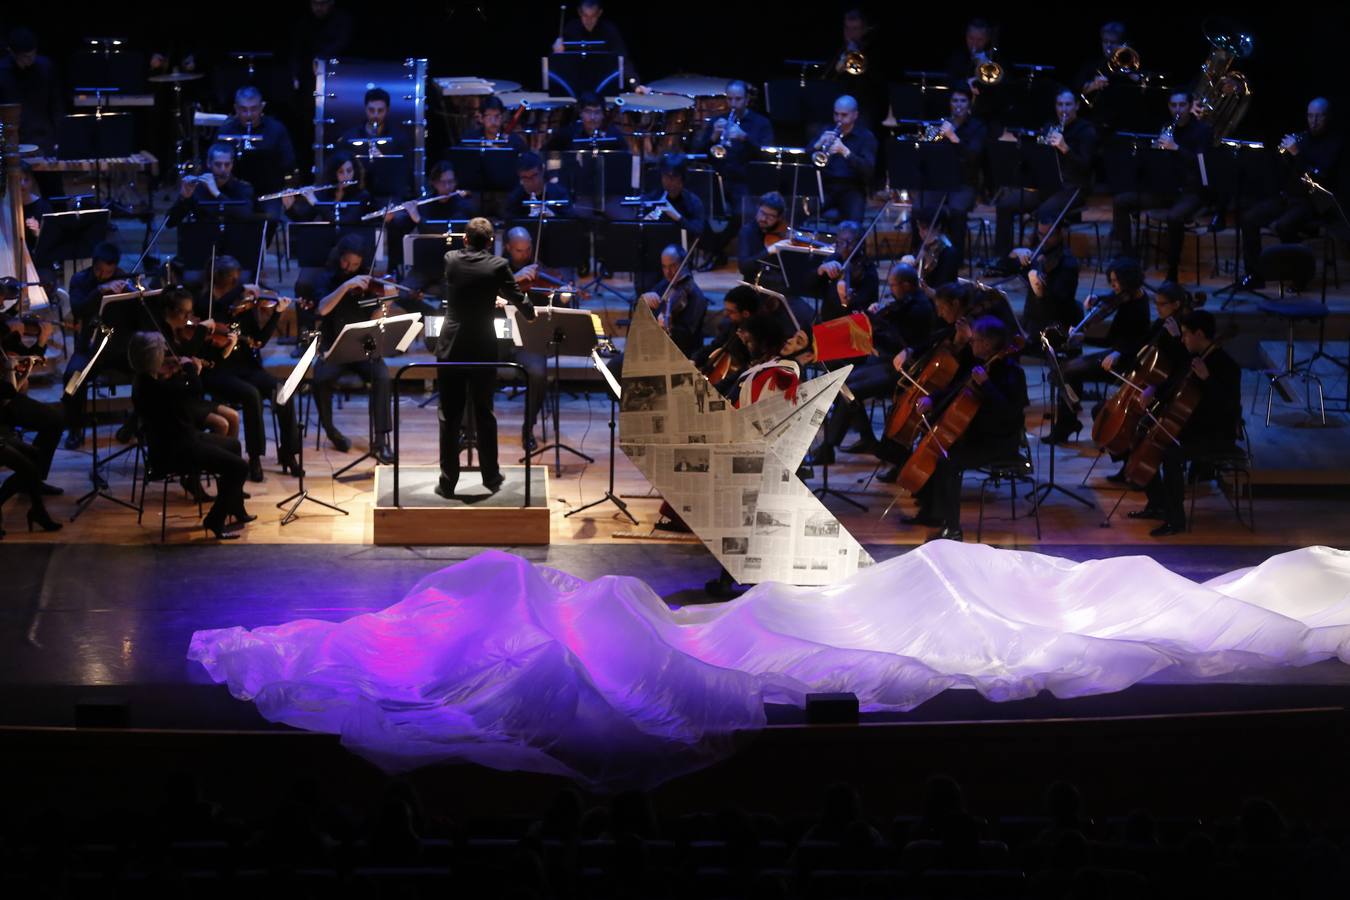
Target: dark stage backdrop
<point x="1297" y="48"/>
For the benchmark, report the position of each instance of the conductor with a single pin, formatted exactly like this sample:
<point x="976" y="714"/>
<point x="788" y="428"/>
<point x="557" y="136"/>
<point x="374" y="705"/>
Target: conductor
<point x="474" y="280"/>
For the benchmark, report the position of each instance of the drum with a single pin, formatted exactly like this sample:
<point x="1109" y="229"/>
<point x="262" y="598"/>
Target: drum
<point x="536" y="115"/>
<point x="340" y="104"/>
<point x="461" y="96"/>
<point x="653" y="123"/>
<point x="708" y="93"/>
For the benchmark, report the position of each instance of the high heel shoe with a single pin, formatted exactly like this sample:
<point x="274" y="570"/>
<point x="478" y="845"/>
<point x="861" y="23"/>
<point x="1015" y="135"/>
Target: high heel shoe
<point x="215" y="527"/>
<point x="192" y="484"/>
<point x="1064" y="435"/>
<point x="42" y="519"/>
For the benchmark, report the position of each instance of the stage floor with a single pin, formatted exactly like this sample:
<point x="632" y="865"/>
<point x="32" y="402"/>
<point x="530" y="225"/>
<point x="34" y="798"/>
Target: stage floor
<point x="122" y="637"/>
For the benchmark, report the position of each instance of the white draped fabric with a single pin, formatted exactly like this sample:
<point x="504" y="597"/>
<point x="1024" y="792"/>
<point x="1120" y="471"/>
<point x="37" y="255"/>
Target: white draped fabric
<point x="516" y="666"/>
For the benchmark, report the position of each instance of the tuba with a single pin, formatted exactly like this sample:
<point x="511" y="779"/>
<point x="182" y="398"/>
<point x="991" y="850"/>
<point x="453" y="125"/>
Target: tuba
<point x="1222" y="91"/>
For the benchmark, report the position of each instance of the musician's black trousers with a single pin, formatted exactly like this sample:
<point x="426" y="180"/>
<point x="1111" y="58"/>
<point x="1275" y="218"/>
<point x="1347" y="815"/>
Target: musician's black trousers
<point x="248" y="387"/>
<point x="959" y="204"/>
<point x="1167" y="490"/>
<point x="456" y="389"/>
<point x="875" y="378"/>
<point x="46" y="419"/>
<point x="326" y="376"/>
<point x="1012" y="202"/>
<point x="1078" y="372"/>
<point x="940" y="498"/>
<point x="1180" y="208"/>
<point x="1286" y="215"/>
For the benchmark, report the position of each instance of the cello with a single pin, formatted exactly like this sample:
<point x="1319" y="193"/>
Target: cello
<point x="951" y="425"/>
<point x="1117" y="422"/>
<point x="1147" y="456"/>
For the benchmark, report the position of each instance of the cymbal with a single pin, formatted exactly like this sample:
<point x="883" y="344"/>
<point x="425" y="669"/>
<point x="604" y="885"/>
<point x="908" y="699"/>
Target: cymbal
<point x="26" y="149"/>
<point x="175" y="77"/>
<point x="651" y="102"/>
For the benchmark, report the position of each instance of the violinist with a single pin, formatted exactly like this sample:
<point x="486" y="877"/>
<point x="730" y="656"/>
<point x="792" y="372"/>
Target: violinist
<point x="344" y="204"/>
<point x="519" y="245"/>
<point x="204" y="344"/>
<point x="937" y="260"/>
<point x="847" y="290"/>
<point x="430" y="217"/>
<point x="166" y="396"/>
<point x="1127" y="305"/>
<point x="87" y="288"/>
<point x="684" y="308"/>
<point x="1075" y="141"/>
<point x="23" y="340"/>
<point x="199" y="194"/>
<point x="491" y="121"/>
<point x="899" y="325"/>
<point x="1187" y="137"/>
<point x="995" y="431"/>
<point x="386" y="154"/>
<point x="968" y="135"/>
<point x="726" y="356"/>
<point x="240" y="378"/>
<point x="1051" y="279"/>
<point x="25" y="461"/>
<point x="851" y="155"/>
<point x="343" y="290"/>
<point x="1212" y="428"/>
<point x="756" y="239"/>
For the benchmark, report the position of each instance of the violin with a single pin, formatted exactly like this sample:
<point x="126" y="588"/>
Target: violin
<point x="726" y="361"/>
<point x="779" y="233"/>
<point x="219" y="336"/>
<point x="1165" y="431"/>
<point x="251" y="300"/>
<point x="954" y="421"/>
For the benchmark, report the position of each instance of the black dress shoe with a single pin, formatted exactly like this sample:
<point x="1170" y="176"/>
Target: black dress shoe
<point x="339" y="441"/>
<point x="215" y="527"/>
<point x="241" y="517"/>
<point x="126" y="432"/>
<point x="890" y="476"/>
<point x="74" y="440"/>
<point x="823" y="456"/>
<point x="1167" y="529"/>
<point x="863" y="446"/>
<point x="495" y="483"/>
<point x="50" y="490"/>
<point x="1148" y="512"/>
<point x="805" y="472"/>
<point x="1062" y="434"/>
<point x="255" y="472"/>
<point x="948" y="533"/>
<point x="193" y="485"/>
<point x="289" y="465"/>
<point x="1252" y="283"/>
<point x="383" y="455"/>
<point x="529" y="443"/>
<point x="921" y="519"/>
<point x="1118" y="477"/>
<point x="445" y="489"/>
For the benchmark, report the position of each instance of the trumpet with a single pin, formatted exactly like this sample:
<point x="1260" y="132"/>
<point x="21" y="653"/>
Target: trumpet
<point x="208" y="179"/>
<point x="296" y="192"/>
<point x="1168" y="134"/>
<point x="395" y="207"/>
<point x="21" y="365"/>
<point x="1291" y="141"/>
<point x="719" y="149"/>
<point x="932" y="131"/>
<point x="820" y="154"/>
<point x="1047" y="135"/>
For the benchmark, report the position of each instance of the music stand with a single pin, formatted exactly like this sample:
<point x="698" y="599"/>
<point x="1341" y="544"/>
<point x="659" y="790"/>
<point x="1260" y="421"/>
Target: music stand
<point x="427" y="252"/>
<point x="562" y="241"/>
<point x="69" y="236"/>
<point x="635" y="246"/>
<point x="614" y="391"/>
<point x="242" y="240"/>
<point x="556" y="330"/>
<point x="309" y="243"/>
<point x="922" y="100"/>
<point x="370" y="341"/>
<point x="573" y="73"/>
<point x="484" y="168"/>
<point x="1240" y="173"/>
<point x="1008" y="168"/>
<point x="1057" y="387"/>
<point x="283" y="396"/>
<point x="110" y="65"/>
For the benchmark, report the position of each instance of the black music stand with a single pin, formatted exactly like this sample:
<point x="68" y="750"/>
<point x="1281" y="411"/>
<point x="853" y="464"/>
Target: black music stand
<point x="109" y="65"/>
<point x="919" y="166"/>
<point x="1240" y="175"/>
<point x="242" y="240"/>
<point x="635" y="246"/>
<point x="371" y="340"/>
<point x="554" y="331"/>
<point x="485" y="168"/>
<point x="428" y="251"/>
<point x="97" y="135"/>
<point x="69" y="236"/>
<point x="309" y="243"/>
<point x="1057" y="387"/>
<point x="600" y="171"/>
<point x="614" y="391"/>
<point x="573" y="73"/>
<point x="562" y="242"/>
<point x="1009" y="167"/>
<point x="293" y="383"/>
<point x="921" y="100"/>
<point x="343" y="213"/>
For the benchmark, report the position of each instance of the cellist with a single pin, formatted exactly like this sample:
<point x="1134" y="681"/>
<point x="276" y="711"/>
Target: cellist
<point x="1212" y="428"/>
<point x="994" y="432"/>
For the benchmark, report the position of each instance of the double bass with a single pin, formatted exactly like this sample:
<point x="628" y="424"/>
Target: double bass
<point x="951" y="425"/>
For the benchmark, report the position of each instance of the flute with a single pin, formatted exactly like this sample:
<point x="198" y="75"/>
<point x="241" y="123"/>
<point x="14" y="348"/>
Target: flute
<point x="296" y="192"/>
<point x="395" y="207"/>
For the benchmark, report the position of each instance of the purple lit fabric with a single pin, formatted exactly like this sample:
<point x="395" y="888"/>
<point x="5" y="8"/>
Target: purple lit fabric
<point x="516" y="666"/>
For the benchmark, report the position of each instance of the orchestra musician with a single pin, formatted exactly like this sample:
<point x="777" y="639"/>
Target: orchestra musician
<point x="348" y="202"/>
<point x="995" y="432"/>
<point x="491" y="118"/>
<point x="673" y="203"/>
<point x="600" y="34"/>
<point x="196" y="193"/>
<point x="474" y="279"/>
<point x="756" y="240"/>
<point x="21" y="411"/>
<point x="25" y="461"/>
<point x="1051" y="279"/>
<point x="741" y="133"/>
<point x="1075" y="139"/>
<point x="532" y="186"/>
<point x="165" y="395"/>
<point x="265" y="155"/>
<point x="1212" y="428"/>
<point x="1315" y="152"/>
<point x="1127" y="305"/>
<point x="87" y="288"/>
<point x="977" y="48"/>
<point x="519" y="247"/>
<point x="35" y="206"/>
<point x="851" y="151"/>
<point x="855" y="290"/>
<point x="681" y="313"/>
<point x="30" y="79"/>
<point x="899" y="326"/>
<point x="340" y="303"/>
<point x="453" y="205"/>
<point x="374" y="140"/>
<point x="590" y="130"/>
<point x="325" y="33"/>
<point x="1188" y="137"/>
<point x="240" y="378"/>
<point x="937" y="260"/>
<point x="968" y="134"/>
<point x="738" y="305"/>
<point x="189" y="339"/>
<point x="1094" y="77"/>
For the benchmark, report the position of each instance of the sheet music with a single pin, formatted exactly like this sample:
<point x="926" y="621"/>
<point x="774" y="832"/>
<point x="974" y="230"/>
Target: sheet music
<point x="298" y="373"/>
<point x="74" y="384"/>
